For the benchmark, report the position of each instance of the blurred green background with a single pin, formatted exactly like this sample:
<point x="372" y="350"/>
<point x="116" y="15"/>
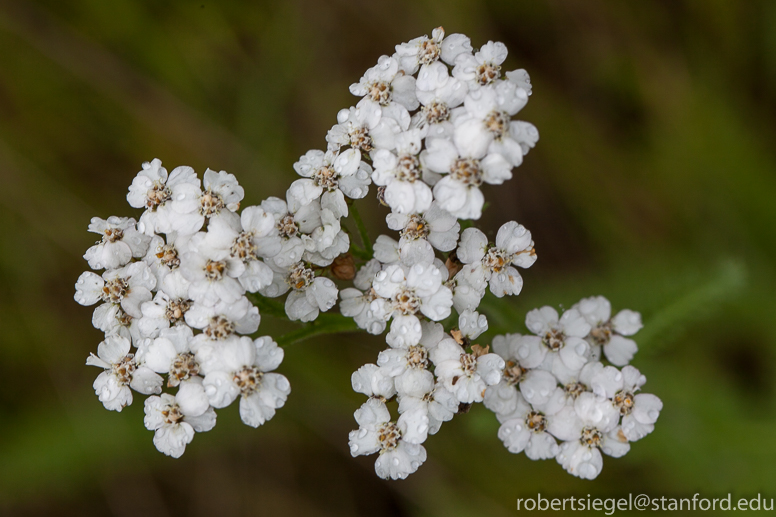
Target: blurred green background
<point x="653" y="184"/>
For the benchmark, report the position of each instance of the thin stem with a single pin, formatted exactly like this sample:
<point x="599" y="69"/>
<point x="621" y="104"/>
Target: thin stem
<point x="268" y="306"/>
<point x="324" y="324"/>
<point x="365" y="240"/>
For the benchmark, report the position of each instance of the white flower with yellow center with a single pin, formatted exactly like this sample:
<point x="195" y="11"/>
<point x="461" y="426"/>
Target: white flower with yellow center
<point x="609" y="332"/>
<point x="213" y="275"/>
<point x="639" y="411"/>
<point x="368" y="127"/>
<point x="174" y="419"/>
<point x="331" y="176"/>
<point x="120" y="242"/>
<point x="122" y="372"/>
<point x="127" y="287"/>
<point x="481" y="68"/>
<point x="221" y="193"/>
<point x="458" y="191"/>
<point x="525" y="429"/>
<point x="155" y="191"/>
<point x="434" y="228"/>
<point x="439" y="94"/>
<point x="405" y="292"/>
<point x="377" y="433"/>
<point x="485" y="126"/>
<point x="587" y="429"/>
<point x="387" y="86"/>
<point x="425" y="51"/>
<point x="466" y="375"/>
<point x="401" y="175"/>
<point x="496" y="265"/>
<point x="558" y="345"/>
<point x="309" y="294"/>
<point x="243" y="368"/>
<point x="171" y="353"/>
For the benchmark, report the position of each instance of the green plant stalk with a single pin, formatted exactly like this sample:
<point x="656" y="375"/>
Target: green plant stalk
<point x="324" y="324"/>
<point x="363" y="234"/>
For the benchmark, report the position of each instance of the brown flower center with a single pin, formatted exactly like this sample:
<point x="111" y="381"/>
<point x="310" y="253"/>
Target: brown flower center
<point x="408" y="168"/>
<point x="497" y="122"/>
<point x="211" y="203"/>
<point x="183" y="367"/>
<point x="360" y="139"/>
<point x="300" y="277"/>
<point x="244" y="248"/>
<point x="467" y="171"/>
<point x="417" y="357"/>
<point x="536" y="422"/>
<point x="591" y="437"/>
<point x="248" y="380"/>
<point x="574" y="389"/>
<point x="407" y="302"/>
<point x="326" y="178"/>
<point x="115" y="290"/>
<point x="602" y="333"/>
<point x="176" y="309"/>
<point x="168" y="255"/>
<point x="513" y="372"/>
<point x="172" y="415"/>
<point x="124" y="369"/>
<point x="486" y="73"/>
<point x="429" y="52"/>
<point x="157" y="195"/>
<point x="219" y="328"/>
<point x="436" y="112"/>
<point x="214" y="270"/>
<point x="624" y="402"/>
<point x="388" y="435"/>
<point x="380" y="92"/>
<point x="554" y="339"/>
<point x="416" y="228"/>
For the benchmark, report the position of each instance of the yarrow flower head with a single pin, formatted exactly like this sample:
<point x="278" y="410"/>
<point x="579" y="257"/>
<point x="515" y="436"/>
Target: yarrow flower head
<point x="179" y="289"/>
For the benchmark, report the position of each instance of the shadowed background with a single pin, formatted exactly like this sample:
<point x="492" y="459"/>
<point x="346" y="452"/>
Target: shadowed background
<point x="652" y="184"/>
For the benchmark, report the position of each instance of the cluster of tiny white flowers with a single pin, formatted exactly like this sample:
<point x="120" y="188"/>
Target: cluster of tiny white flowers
<point x="173" y="288"/>
<point x="434" y="122"/>
<point x="555" y="387"/>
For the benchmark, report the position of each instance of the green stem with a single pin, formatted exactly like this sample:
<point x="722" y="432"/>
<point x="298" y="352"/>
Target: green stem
<point x="365" y="240"/>
<point x="268" y="306"/>
<point x="665" y="326"/>
<point x="324" y="324"/>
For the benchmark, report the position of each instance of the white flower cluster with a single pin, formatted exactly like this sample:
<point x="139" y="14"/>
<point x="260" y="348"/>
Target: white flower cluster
<point x="435" y="119"/>
<point x="433" y="124"/>
<point x="174" y="286"/>
<point x="555" y="387"/>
